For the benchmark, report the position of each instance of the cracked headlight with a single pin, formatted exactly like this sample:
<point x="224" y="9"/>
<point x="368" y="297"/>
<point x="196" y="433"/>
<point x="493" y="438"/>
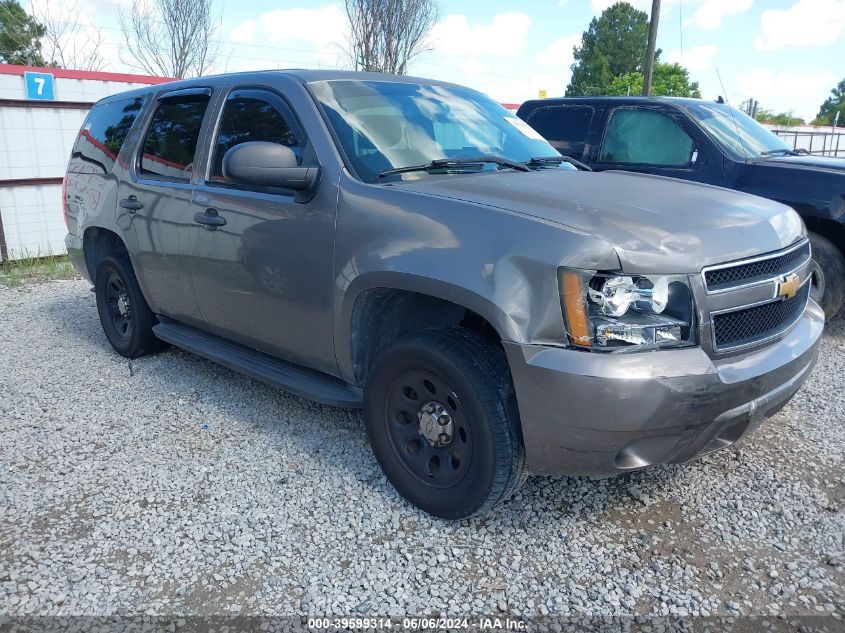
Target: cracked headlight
<point x="609" y="312"/>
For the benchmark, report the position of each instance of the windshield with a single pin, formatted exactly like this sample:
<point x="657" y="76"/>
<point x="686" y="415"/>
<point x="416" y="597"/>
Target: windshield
<point x="384" y="125"/>
<point x="739" y="135"/>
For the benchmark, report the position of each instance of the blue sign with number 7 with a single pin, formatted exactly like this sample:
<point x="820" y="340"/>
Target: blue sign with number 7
<point x="39" y="86"/>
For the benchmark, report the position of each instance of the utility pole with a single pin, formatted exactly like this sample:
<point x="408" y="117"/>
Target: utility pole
<point x="652" y="43"/>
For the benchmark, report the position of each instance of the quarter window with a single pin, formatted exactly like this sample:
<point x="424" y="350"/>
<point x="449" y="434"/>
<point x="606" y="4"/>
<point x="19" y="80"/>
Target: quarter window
<point x="171" y="141"/>
<point x="254" y="115"/>
<point x="647" y="137"/>
<point x="565" y="127"/>
<point x="102" y="135"/>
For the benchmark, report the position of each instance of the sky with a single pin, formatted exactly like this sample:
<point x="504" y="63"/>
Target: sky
<point x="787" y="54"/>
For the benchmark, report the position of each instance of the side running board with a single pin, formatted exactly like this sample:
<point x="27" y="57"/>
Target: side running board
<point x="303" y="382"/>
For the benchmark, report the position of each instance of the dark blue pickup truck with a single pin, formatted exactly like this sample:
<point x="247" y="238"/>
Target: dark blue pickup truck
<point x="712" y="143"/>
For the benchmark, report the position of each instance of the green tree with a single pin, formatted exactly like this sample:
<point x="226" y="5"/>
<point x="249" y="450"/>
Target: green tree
<point x="783" y="118"/>
<point x="669" y="80"/>
<point x="765" y="115"/>
<point x="19" y="35"/>
<point x="834" y="103"/>
<point x="614" y="45"/>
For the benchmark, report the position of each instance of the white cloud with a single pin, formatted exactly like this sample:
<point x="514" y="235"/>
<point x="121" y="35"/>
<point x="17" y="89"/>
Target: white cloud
<point x="559" y="52"/>
<point x="244" y="33"/>
<point x="711" y="13"/>
<point x="504" y="35"/>
<point x="805" y="23"/>
<point x="320" y="27"/>
<point x="695" y="58"/>
<point x="785" y="91"/>
<point x="289" y="34"/>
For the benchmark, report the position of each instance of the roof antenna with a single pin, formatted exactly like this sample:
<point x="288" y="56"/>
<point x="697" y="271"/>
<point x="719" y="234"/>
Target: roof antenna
<point x="731" y="112"/>
<point x="681" y="27"/>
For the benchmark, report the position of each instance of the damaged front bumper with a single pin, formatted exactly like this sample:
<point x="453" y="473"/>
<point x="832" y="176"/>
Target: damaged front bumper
<point x="585" y="413"/>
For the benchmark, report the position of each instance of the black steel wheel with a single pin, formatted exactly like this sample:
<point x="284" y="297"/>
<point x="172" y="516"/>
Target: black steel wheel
<point x="441" y="417"/>
<point x="119" y="307"/>
<point x="428" y="430"/>
<point x="124" y="314"/>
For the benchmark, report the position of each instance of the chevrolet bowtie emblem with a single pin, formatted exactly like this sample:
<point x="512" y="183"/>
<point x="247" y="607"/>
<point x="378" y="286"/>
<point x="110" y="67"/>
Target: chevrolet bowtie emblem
<point x="788" y="286"/>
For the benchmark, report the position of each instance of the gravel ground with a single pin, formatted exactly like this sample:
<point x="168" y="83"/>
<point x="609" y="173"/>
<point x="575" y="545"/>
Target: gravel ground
<point x="170" y="485"/>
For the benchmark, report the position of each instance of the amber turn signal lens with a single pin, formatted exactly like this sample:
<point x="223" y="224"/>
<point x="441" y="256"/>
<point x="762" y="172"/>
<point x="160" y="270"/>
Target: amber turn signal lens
<point x="574" y="309"/>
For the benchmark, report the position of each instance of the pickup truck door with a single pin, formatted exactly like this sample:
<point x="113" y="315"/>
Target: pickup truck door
<point x="263" y="259"/>
<point x="154" y="203"/>
<point x="569" y="128"/>
<point x="655" y="140"/>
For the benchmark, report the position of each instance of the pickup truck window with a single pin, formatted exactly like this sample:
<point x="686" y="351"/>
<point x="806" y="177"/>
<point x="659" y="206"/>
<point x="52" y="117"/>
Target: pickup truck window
<point x="565" y="127"/>
<point x="736" y="132"/>
<point x="172" y="138"/>
<point x="254" y="115"/>
<point x="645" y="137"/>
<point x="384" y="125"/>
<point x="102" y="135"/>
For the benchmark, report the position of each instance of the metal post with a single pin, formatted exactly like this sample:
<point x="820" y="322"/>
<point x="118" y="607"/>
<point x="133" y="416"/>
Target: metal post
<point x="652" y="43"/>
<point x="4" y="252"/>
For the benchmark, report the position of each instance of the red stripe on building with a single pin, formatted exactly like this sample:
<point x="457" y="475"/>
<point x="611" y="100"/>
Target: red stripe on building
<point x="63" y="73"/>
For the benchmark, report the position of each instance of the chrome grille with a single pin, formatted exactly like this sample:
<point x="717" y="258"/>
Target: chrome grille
<point x="762" y="269"/>
<point x="755" y="324"/>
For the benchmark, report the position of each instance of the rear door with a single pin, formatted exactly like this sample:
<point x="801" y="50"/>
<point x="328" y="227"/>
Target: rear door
<point x="566" y="127"/>
<point x="154" y="202"/>
<point x="264" y="278"/>
<point x="93" y="173"/>
<point x="656" y="140"/>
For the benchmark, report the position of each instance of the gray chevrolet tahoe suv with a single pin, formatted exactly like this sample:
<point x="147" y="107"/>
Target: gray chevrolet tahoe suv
<point x="411" y="248"/>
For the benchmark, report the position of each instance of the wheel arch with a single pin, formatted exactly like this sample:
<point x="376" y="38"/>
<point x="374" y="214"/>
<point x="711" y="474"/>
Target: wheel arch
<point x="385" y="307"/>
<point x="831" y="229"/>
<point x="97" y="242"/>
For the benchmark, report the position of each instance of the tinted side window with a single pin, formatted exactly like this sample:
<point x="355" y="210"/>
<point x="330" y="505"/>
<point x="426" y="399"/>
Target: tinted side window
<point x="102" y="135"/>
<point x="172" y="138"/>
<point x="254" y="115"/>
<point x="565" y="127"/>
<point x="645" y="137"/>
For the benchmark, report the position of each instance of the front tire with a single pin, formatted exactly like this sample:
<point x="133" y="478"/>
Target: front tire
<point x="124" y="314"/>
<point x="828" y="275"/>
<point x="442" y="420"/>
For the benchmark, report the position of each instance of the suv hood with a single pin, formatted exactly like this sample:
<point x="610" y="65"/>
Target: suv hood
<point x="655" y="224"/>
<point x="822" y="163"/>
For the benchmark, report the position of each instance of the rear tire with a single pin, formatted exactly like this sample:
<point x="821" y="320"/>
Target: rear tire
<point x="828" y="276"/>
<point x="451" y="469"/>
<point x="124" y="314"/>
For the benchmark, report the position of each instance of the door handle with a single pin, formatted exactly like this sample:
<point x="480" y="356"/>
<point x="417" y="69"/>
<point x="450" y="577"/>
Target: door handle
<point x="132" y="204"/>
<point x="210" y="219"/>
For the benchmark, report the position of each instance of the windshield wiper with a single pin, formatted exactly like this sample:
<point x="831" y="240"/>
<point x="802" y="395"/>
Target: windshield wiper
<point x="542" y="161"/>
<point x="784" y="152"/>
<point x="447" y="163"/>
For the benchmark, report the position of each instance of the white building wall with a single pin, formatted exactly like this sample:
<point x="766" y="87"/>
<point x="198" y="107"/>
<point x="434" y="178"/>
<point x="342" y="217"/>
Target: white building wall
<point x="12" y="87"/>
<point x="35" y="143"/>
<point x="35" y="227"/>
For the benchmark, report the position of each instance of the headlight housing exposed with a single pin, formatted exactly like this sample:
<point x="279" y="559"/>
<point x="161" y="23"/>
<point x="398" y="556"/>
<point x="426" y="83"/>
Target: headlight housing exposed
<point x="615" y="312"/>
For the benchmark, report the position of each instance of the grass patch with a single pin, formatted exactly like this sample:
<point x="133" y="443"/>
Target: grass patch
<point x="32" y="268"/>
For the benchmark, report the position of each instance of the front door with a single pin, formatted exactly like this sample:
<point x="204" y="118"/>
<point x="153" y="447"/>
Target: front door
<point x="264" y="277"/>
<point x="154" y="205"/>
<point x="652" y="141"/>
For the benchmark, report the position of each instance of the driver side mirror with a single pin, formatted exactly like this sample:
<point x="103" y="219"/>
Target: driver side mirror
<point x="263" y="164"/>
